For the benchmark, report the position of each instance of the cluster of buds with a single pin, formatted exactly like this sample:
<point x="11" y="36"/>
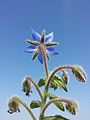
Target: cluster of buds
<point x="26" y="86"/>
<point x="13" y="105"/>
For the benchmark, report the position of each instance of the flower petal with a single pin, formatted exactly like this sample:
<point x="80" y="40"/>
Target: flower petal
<point x="49" y="37"/>
<point x="52" y="51"/>
<point x="30" y="49"/>
<point x="40" y="57"/>
<point x="36" y="36"/>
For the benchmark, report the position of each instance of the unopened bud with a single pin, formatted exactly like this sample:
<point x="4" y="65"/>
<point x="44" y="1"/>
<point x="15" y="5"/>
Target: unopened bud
<point x="13" y="105"/>
<point x="72" y="108"/>
<point x="27" y="86"/>
<point x="79" y="73"/>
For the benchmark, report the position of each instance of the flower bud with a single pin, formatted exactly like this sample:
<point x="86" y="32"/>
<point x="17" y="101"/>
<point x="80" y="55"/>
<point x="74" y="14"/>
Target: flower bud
<point x="79" y="73"/>
<point x="13" y="105"/>
<point x="72" y="108"/>
<point x="27" y="86"/>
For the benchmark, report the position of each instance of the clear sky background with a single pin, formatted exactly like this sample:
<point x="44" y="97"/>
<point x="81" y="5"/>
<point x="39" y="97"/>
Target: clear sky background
<point x="70" y="22"/>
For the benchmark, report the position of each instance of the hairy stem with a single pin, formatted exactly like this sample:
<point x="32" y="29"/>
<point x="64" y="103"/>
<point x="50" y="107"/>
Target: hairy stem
<point x="25" y="105"/>
<point x="44" y="58"/>
<point x="37" y="88"/>
<point x="53" y="101"/>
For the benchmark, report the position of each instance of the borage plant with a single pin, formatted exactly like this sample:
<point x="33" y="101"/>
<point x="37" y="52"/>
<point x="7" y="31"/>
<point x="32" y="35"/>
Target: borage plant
<point x="41" y="46"/>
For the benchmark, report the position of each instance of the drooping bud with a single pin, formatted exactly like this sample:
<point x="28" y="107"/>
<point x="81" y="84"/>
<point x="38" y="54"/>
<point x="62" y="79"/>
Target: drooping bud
<point x="27" y="86"/>
<point x="13" y="105"/>
<point x="72" y="108"/>
<point x="79" y="73"/>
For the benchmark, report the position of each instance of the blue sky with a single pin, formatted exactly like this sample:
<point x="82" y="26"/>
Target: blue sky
<point x="70" y="22"/>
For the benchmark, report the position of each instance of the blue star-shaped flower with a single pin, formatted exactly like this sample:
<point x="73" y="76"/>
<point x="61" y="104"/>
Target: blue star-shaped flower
<point x="37" y="42"/>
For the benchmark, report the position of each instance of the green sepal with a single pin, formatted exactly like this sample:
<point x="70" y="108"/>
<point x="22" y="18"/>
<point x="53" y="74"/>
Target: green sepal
<point x="57" y="103"/>
<point x="51" y="44"/>
<point x="41" y="82"/>
<point x="59" y="82"/>
<point x="48" y="57"/>
<point x="56" y="117"/>
<point x="32" y="42"/>
<point x="43" y="36"/>
<point x="35" y="104"/>
<point x="35" y="54"/>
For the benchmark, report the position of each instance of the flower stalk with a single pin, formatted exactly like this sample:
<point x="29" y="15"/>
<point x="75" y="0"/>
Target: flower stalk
<point x="44" y="57"/>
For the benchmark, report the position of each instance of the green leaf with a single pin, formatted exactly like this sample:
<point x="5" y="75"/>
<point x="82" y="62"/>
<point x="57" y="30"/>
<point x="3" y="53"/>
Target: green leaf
<point x="41" y="82"/>
<point x="59" y="82"/>
<point x="53" y="85"/>
<point x="35" y="104"/>
<point x="58" y="103"/>
<point x="60" y="106"/>
<point x="56" y="117"/>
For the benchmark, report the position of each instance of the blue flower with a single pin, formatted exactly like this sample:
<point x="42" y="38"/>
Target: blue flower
<point x="40" y="41"/>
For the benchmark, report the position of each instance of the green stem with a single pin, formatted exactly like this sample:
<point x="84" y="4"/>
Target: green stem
<point x="25" y="105"/>
<point x="53" y="101"/>
<point x="37" y="88"/>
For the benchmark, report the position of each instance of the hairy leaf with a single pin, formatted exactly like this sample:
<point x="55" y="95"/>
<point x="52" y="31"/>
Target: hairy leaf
<point x="53" y="85"/>
<point x="56" y="117"/>
<point x="57" y="103"/>
<point x="35" y="104"/>
<point x="41" y="82"/>
<point x="56" y="80"/>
